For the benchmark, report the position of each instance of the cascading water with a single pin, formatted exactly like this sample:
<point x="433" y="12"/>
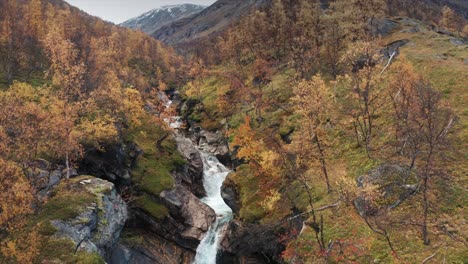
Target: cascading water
<point x="214" y="174"/>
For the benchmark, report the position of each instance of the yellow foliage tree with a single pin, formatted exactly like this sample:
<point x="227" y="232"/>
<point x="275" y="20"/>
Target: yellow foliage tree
<point x="313" y="102"/>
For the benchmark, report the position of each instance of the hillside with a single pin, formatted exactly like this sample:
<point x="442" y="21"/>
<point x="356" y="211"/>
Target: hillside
<point x="153" y="20"/>
<point x="212" y="20"/>
<point x="73" y="92"/>
<point x="290" y="91"/>
<point x="282" y="131"/>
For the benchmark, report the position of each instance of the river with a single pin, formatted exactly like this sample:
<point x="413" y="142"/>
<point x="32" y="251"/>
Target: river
<point x="214" y="174"/>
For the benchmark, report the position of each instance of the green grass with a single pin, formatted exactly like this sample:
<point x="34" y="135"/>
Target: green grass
<point x="68" y="200"/>
<point x="152" y="172"/>
<point x="152" y="207"/>
<point x="251" y="210"/>
<point x="63" y="251"/>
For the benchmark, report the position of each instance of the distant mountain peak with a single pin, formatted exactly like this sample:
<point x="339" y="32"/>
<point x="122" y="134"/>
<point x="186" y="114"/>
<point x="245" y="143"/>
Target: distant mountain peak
<point x="156" y="18"/>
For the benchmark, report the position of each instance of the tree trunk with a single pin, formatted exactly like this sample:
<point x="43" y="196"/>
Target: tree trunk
<point x="67" y="164"/>
<point x="323" y="163"/>
<point x="425" y="211"/>
<point x="160" y="141"/>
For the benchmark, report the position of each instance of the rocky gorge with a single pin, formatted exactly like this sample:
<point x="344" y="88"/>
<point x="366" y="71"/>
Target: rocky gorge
<point x="98" y="226"/>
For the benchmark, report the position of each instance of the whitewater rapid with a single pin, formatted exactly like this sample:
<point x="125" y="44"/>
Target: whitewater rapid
<point x="214" y="174"/>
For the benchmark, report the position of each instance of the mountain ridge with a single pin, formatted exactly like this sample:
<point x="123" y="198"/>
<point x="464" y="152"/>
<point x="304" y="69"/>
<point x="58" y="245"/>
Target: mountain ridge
<point x="211" y="20"/>
<point x="156" y="18"/>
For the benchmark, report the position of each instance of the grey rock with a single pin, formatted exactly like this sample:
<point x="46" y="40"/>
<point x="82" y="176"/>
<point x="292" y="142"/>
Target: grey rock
<point x="121" y="255"/>
<point x="394" y="48"/>
<point x="40" y="164"/>
<point x="43" y="174"/>
<point x="251" y="241"/>
<point x="457" y="42"/>
<point x="214" y="143"/>
<point x="54" y="178"/>
<point x="397" y="183"/>
<point x="230" y="195"/>
<point x="197" y="217"/>
<point x="113" y="164"/>
<point x="151" y="249"/>
<point x="191" y="175"/>
<point x="384" y="27"/>
<point x="71" y="172"/>
<point x="411" y="30"/>
<point x="187" y="222"/>
<point x="96" y="229"/>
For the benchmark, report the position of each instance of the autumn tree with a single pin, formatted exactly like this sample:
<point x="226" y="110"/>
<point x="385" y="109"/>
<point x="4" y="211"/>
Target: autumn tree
<point x="451" y="20"/>
<point x="264" y="162"/>
<point x="279" y="27"/>
<point x="308" y="40"/>
<point x="365" y="96"/>
<point x="24" y="121"/>
<point x="359" y="17"/>
<point x="197" y="73"/>
<point x="66" y="68"/>
<point x="16" y="197"/>
<point x="8" y="29"/>
<point x="334" y="43"/>
<point x="401" y="90"/>
<point x="424" y="132"/>
<point x="16" y="204"/>
<point x="313" y="103"/>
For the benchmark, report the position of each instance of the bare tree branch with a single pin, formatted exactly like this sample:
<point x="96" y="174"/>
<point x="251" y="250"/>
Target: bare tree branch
<point x="429" y="258"/>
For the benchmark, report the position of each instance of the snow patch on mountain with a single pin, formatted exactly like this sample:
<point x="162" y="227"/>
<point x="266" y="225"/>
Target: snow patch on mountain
<point x="156" y="18"/>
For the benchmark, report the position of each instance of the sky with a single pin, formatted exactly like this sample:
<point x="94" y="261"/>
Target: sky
<point x="118" y="11"/>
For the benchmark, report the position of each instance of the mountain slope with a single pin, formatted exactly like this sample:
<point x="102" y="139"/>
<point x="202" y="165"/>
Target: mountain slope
<point x="153" y="20"/>
<point x="211" y="20"/>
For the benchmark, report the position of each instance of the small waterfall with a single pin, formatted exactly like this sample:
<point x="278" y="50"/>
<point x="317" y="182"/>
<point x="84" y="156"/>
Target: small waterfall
<point x="214" y="174"/>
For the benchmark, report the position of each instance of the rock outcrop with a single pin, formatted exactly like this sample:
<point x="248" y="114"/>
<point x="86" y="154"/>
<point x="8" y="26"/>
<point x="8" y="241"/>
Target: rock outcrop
<point x="252" y="242"/>
<point x="97" y="228"/>
<point x="148" y="249"/>
<point x="214" y="143"/>
<point x="191" y="175"/>
<point x="45" y="176"/>
<point x="230" y="194"/>
<point x="113" y="164"/>
<point x="397" y="183"/>
<point x="187" y="222"/>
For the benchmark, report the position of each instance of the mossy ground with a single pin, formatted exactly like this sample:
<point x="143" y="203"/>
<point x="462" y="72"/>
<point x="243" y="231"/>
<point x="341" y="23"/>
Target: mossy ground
<point x="437" y="59"/>
<point x="152" y="173"/>
<point x="151" y="206"/>
<point x="66" y="202"/>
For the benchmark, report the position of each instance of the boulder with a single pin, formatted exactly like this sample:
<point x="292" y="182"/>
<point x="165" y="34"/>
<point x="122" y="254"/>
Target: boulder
<point x="396" y="182"/>
<point x="191" y="176"/>
<point x="97" y="227"/>
<point x="196" y="216"/>
<point x="149" y="249"/>
<point x="230" y="194"/>
<point x="384" y="27"/>
<point x="394" y="48"/>
<point x="252" y="242"/>
<point x="54" y="178"/>
<point x="457" y="42"/>
<point x="186" y="223"/>
<point x="214" y="143"/>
